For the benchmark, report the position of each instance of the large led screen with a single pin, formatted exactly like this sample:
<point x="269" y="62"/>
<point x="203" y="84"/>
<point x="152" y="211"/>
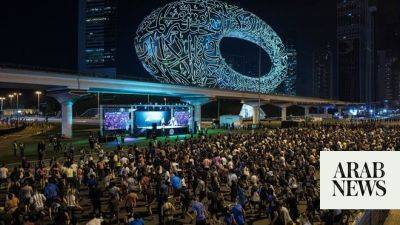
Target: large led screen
<point x="147" y="118"/>
<point x="182" y="117"/>
<point x="116" y="121"/>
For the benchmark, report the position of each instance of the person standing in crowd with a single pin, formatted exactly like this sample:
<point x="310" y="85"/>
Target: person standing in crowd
<point x="41" y="148"/>
<point x="15" y="148"/>
<point x="238" y="214"/>
<point x="95" y="194"/>
<point x="281" y="215"/>
<point x="167" y="213"/>
<point x="26" y="194"/>
<point x="4" y="176"/>
<point x="234" y="178"/>
<point x="130" y="202"/>
<point x="11" y="204"/>
<point x="21" y="150"/>
<point x="200" y="212"/>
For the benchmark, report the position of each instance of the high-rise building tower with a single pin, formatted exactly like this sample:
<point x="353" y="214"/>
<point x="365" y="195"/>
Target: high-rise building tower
<point x="355" y="58"/>
<point x="323" y="72"/>
<point x="290" y="82"/>
<point x="97" y="32"/>
<point x="388" y="73"/>
<point x="388" y="56"/>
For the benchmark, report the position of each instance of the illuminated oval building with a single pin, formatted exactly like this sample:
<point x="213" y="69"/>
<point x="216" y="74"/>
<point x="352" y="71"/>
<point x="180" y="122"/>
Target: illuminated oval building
<point x="180" y="43"/>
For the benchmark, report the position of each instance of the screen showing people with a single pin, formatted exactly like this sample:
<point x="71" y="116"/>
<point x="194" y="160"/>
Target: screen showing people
<point x="182" y="118"/>
<point x="116" y="121"/>
<point x="146" y="119"/>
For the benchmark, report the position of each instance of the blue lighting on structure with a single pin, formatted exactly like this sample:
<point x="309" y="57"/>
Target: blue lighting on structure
<point x="180" y="43"/>
<point x="353" y="112"/>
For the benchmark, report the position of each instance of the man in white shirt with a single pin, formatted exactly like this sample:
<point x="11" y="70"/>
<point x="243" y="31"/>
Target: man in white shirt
<point x="38" y="200"/>
<point x="232" y="177"/>
<point x="3" y="172"/>
<point x="3" y="176"/>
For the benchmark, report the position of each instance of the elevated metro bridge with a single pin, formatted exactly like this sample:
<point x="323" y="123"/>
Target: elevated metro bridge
<point x="68" y="87"/>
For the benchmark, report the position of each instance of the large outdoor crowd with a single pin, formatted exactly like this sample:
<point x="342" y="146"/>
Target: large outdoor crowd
<point x="235" y="178"/>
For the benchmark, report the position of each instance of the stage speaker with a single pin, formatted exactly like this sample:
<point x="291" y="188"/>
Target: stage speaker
<point x="154" y="126"/>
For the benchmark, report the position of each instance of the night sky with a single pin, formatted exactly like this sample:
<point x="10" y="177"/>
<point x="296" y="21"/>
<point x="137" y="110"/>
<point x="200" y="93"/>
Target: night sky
<point x="40" y="33"/>
<point x="44" y="33"/>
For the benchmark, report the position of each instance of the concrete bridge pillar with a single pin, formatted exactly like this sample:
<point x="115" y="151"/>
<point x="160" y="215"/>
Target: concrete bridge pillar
<point x="66" y="118"/>
<point x="283" y="107"/>
<point x="306" y="110"/>
<point x="256" y="106"/>
<point x="197" y="115"/>
<point x="284" y="110"/>
<point x="256" y="115"/>
<point x="67" y="99"/>
<point x="283" y="113"/>
<point x="196" y="102"/>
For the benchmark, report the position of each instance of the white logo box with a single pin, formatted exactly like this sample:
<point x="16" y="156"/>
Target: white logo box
<point x="329" y="161"/>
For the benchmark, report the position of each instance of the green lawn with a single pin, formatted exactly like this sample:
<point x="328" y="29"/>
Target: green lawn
<point x="144" y="142"/>
<point x="80" y="139"/>
<point x="31" y="140"/>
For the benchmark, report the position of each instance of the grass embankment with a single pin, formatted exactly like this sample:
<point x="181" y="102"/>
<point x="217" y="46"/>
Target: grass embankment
<point x="31" y="139"/>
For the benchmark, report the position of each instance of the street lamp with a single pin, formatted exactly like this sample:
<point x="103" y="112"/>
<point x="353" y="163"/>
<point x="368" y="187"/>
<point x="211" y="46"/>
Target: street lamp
<point x="11" y="96"/>
<point x="1" y="103"/>
<point x="38" y="93"/>
<point x="17" y="94"/>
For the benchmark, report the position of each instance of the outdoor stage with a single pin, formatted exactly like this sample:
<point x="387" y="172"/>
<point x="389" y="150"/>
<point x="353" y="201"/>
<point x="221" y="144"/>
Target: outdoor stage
<point x="143" y="141"/>
<point x="148" y="120"/>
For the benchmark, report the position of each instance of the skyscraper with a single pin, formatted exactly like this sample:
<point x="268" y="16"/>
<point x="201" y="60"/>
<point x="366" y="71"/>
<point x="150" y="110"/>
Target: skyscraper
<point x="290" y="82"/>
<point x="355" y="32"/>
<point x="323" y="72"/>
<point x="97" y="32"/>
<point x="388" y="56"/>
<point x="388" y="76"/>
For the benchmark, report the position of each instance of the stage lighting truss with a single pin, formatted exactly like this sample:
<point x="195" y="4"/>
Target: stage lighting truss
<point x="180" y="43"/>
